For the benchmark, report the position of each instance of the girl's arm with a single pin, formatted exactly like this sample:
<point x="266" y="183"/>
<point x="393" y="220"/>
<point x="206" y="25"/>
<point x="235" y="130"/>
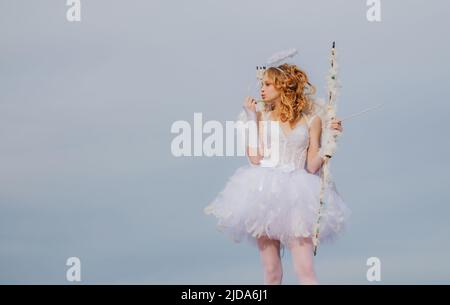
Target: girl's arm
<point x="313" y="160"/>
<point x="255" y="154"/>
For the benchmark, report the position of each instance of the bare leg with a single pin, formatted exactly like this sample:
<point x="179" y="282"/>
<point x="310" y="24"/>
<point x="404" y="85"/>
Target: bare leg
<point x="269" y="250"/>
<point x="302" y="256"/>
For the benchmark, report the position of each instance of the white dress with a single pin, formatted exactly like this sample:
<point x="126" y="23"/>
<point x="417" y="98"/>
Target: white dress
<point x="282" y="201"/>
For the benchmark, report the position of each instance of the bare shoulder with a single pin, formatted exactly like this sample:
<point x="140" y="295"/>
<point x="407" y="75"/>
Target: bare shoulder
<point x="315" y="122"/>
<point x="259" y="115"/>
<point x="262" y="115"/>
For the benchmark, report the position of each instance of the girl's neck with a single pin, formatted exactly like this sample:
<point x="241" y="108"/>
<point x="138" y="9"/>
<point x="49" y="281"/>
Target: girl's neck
<point x="272" y="106"/>
<point x="269" y="107"/>
<point x="275" y="110"/>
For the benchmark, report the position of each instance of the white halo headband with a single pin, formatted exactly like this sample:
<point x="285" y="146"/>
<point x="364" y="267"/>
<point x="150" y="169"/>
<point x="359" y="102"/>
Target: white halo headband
<point x="274" y="60"/>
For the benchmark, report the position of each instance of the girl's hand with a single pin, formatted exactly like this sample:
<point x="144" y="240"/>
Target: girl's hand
<point x="250" y="104"/>
<point x="250" y="108"/>
<point x="336" y="125"/>
<point x="329" y="147"/>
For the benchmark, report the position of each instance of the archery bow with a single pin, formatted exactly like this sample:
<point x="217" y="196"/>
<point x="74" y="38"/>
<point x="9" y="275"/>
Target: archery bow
<point x="329" y="142"/>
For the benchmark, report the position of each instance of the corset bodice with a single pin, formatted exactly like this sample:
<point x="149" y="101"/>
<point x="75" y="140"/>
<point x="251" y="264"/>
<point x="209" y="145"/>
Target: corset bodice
<point x="292" y="147"/>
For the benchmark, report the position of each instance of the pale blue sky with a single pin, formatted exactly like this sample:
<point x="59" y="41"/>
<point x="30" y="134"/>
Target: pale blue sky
<point x="85" y="116"/>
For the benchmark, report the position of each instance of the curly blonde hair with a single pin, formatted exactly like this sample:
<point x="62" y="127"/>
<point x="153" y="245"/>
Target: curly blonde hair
<point x="295" y="91"/>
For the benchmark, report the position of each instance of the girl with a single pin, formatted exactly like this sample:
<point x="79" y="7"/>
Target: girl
<point x="277" y="206"/>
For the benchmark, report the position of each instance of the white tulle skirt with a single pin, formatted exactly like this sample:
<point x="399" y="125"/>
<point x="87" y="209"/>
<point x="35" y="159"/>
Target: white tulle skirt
<point x="281" y="205"/>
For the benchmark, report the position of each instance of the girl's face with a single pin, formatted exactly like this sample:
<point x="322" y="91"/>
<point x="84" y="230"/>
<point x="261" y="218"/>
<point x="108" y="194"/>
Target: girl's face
<point x="268" y="92"/>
